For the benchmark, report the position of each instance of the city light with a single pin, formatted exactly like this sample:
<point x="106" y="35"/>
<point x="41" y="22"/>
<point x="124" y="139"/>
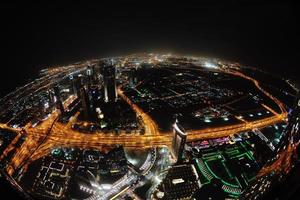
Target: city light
<point x="162" y="125"/>
<point x="210" y="65"/>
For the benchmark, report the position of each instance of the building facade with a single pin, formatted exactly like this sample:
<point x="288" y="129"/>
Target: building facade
<point x="178" y="143"/>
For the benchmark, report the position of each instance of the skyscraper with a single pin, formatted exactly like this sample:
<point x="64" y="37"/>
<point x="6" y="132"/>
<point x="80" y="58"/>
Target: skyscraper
<point x="178" y="143"/>
<point x="59" y="104"/>
<point x="72" y="79"/>
<point x="85" y="103"/>
<point x="77" y="84"/>
<point x="94" y="96"/>
<point x="89" y="74"/>
<point x="132" y="77"/>
<point x="109" y="79"/>
<point x="84" y="97"/>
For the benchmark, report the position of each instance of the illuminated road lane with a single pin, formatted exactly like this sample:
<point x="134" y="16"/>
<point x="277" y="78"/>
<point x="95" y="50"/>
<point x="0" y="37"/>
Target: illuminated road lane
<point x="63" y="135"/>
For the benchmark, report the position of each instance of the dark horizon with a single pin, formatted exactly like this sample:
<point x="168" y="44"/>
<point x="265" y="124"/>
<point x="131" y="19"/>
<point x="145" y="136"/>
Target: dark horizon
<point x="35" y="36"/>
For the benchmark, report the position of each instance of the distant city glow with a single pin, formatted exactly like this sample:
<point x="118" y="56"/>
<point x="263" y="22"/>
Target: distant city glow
<point x="226" y="118"/>
<point x="207" y="120"/>
<point x="210" y="65"/>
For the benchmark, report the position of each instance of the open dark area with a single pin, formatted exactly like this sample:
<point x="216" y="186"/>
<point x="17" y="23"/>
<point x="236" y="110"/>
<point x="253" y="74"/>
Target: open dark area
<point x="36" y="35"/>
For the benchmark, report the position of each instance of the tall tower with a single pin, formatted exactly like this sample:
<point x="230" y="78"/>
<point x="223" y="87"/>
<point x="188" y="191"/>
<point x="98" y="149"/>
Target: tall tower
<point x="109" y="79"/>
<point x="72" y="79"/>
<point x="89" y="74"/>
<point x="132" y="77"/>
<point x="77" y="84"/>
<point x="178" y="143"/>
<point x="84" y="97"/>
<point x="59" y="104"/>
<point x="85" y="103"/>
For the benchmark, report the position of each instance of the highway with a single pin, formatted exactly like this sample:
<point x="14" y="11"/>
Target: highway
<point x="39" y="140"/>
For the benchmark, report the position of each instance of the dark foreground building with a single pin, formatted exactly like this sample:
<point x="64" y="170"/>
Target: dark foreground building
<point x="109" y="79"/>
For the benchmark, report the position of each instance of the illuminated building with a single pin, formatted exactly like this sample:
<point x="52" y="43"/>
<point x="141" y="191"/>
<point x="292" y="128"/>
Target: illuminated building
<point x="132" y="77"/>
<point x="95" y="74"/>
<point x="89" y="74"/>
<point x="77" y="84"/>
<point x="52" y="97"/>
<point x="85" y="103"/>
<point x="84" y="97"/>
<point x="72" y="79"/>
<point x="59" y="104"/>
<point x="178" y="143"/>
<point x="180" y="182"/>
<point x="94" y="95"/>
<point x="294" y="120"/>
<point x="109" y="79"/>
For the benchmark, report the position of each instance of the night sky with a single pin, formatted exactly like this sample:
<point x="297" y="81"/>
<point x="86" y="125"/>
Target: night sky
<point x="38" y="35"/>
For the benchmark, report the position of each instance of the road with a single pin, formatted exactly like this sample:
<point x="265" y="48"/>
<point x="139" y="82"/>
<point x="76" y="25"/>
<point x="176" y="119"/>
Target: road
<point x="36" y="146"/>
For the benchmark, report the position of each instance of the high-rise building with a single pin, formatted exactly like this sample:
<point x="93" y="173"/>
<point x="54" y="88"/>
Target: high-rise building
<point x="89" y="74"/>
<point x="178" y="143"/>
<point x="52" y="98"/>
<point x="109" y="79"/>
<point x="72" y="79"/>
<point x="84" y="97"/>
<point x="94" y="95"/>
<point x="95" y="73"/>
<point x="132" y="77"/>
<point x="85" y="102"/>
<point x="59" y="104"/>
<point x="77" y="84"/>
